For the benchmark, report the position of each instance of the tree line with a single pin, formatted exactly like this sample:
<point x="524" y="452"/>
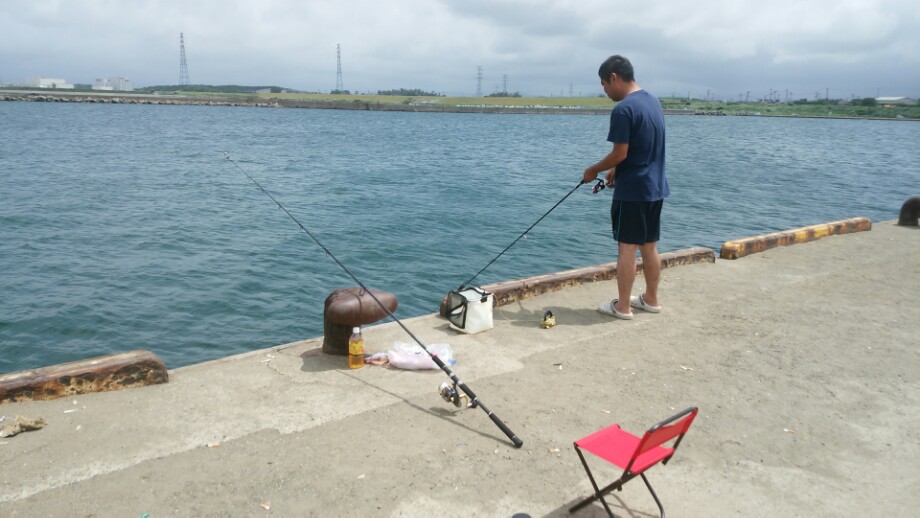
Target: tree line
<point x="223" y="89"/>
<point x="409" y="92"/>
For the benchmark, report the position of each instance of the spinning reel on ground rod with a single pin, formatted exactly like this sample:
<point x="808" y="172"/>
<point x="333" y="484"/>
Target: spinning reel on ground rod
<point x="452" y="395"/>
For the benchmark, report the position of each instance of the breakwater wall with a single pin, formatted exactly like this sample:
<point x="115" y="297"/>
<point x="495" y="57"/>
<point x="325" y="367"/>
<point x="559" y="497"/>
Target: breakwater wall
<point x="137" y="99"/>
<point x="258" y="102"/>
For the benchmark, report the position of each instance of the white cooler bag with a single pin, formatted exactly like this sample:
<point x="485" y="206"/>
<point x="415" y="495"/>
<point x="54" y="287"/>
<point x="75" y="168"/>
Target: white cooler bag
<point x="470" y="310"/>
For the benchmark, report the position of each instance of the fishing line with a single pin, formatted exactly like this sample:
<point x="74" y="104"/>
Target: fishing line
<point x="446" y="394"/>
<point x="465" y="284"/>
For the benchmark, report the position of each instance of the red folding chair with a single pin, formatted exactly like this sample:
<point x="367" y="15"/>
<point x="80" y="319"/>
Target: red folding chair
<point x="632" y="454"/>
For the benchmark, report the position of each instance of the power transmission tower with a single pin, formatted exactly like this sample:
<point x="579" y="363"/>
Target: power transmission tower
<point x="479" y="81"/>
<point x="183" y="64"/>
<point x="570" y="90"/>
<point x="339" y="85"/>
<point x="505" y="83"/>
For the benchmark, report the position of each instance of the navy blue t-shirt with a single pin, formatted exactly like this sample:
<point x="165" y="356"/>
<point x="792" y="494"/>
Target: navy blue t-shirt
<point x="638" y="120"/>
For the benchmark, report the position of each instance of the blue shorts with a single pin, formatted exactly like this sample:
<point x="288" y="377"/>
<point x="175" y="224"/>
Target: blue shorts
<point x="636" y="222"/>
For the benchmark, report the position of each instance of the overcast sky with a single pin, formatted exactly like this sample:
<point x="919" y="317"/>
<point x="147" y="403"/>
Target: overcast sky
<point x="544" y="47"/>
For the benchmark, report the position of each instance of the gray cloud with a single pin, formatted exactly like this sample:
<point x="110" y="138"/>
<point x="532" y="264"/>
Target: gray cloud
<point x="543" y="46"/>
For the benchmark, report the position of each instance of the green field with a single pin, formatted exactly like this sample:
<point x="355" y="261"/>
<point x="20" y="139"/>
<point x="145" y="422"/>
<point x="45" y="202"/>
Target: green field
<point x="813" y="109"/>
<point x="830" y="108"/>
<point x="580" y="102"/>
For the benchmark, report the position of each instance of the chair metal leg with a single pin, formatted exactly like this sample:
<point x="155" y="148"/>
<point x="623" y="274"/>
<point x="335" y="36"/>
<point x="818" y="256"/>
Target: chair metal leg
<point x="652" y="491"/>
<point x="598" y="493"/>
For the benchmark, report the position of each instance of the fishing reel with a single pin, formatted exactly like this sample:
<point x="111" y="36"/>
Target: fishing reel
<point x="452" y="395"/>
<point x="599" y="186"/>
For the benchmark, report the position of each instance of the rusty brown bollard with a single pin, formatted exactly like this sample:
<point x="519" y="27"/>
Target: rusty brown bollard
<point x="349" y="307"/>
<point x="100" y="374"/>
<point x="910" y="212"/>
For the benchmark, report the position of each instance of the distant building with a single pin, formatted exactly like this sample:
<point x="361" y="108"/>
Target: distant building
<point x="102" y="84"/>
<point x="113" y="83"/>
<point x="121" y="84"/>
<point x="48" y="82"/>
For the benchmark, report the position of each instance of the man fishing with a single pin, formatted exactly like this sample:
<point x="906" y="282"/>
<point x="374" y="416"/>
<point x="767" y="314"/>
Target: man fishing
<point x="635" y="170"/>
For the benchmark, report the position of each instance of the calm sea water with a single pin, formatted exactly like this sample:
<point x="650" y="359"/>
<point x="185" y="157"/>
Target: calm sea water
<point x="124" y="227"/>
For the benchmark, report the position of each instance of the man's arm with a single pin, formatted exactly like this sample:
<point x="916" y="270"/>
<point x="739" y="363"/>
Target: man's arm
<point x="607" y="163"/>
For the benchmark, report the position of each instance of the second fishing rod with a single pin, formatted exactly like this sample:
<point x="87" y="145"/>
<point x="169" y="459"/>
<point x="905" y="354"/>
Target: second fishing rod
<point x="450" y="394"/>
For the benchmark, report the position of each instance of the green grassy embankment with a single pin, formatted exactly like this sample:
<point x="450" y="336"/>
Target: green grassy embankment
<point x="562" y="102"/>
<point x="674" y="105"/>
<point x="817" y="109"/>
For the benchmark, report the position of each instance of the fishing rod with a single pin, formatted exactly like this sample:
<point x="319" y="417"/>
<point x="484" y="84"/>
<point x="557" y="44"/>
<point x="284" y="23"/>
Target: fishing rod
<point x="467" y="283"/>
<point x="449" y="394"/>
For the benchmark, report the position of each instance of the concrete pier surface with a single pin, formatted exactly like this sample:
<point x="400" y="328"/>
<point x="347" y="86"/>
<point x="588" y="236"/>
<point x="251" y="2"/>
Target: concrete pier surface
<point x="803" y="360"/>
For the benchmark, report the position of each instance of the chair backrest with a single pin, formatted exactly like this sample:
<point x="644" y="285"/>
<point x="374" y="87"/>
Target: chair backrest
<point x="674" y="426"/>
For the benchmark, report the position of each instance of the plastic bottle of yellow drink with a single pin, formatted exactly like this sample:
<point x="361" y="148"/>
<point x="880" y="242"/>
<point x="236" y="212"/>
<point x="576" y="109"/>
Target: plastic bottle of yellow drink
<point x="356" y="349"/>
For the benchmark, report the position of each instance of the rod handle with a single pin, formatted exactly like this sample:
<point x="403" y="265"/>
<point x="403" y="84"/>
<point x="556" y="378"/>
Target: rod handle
<point x="514" y="438"/>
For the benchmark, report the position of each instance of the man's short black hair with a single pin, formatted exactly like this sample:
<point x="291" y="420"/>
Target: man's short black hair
<point x="616" y="65"/>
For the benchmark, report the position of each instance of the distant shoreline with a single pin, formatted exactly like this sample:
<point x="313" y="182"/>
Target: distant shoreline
<point x="356" y="104"/>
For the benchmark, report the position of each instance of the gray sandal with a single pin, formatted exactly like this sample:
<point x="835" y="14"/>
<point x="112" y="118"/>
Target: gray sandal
<point x="609" y="308"/>
<point x="639" y="303"/>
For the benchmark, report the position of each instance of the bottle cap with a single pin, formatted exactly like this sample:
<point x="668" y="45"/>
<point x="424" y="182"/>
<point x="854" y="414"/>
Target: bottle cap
<point x="356" y="330"/>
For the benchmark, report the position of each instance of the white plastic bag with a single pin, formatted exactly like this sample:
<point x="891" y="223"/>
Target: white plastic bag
<point x="412" y="357"/>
